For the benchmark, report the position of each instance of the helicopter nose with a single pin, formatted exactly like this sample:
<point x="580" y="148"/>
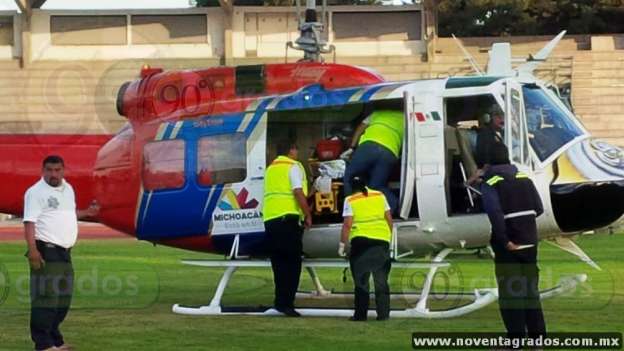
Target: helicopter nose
<point x="587" y="191"/>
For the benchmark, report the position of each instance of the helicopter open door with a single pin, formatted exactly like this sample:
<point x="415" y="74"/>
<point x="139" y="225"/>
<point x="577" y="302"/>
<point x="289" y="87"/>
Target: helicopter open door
<point x="516" y="136"/>
<point x="408" y="161"/>
<point x="425" y="118"/>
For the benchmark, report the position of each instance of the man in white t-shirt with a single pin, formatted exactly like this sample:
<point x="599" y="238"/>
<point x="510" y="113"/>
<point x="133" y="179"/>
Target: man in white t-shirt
<point x="51" y="229"/>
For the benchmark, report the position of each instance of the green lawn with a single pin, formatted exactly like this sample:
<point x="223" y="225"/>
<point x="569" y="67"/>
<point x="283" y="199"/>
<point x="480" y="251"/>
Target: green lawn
<point x="125" y="290"/>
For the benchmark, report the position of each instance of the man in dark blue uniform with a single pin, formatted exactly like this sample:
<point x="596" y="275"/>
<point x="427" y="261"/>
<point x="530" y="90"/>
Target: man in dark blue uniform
<point x="490" y="136"/>
<point x="512" y="204"/>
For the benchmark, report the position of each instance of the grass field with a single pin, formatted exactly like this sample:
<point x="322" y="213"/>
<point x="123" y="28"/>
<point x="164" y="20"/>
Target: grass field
<point x="125" y="290"/>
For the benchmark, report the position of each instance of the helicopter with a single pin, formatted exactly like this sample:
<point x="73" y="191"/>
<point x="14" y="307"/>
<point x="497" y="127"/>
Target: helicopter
<point x="187" y="170"/>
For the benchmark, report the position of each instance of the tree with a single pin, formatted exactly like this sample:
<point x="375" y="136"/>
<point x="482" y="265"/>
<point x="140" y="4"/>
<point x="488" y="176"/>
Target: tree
<point x="481" y="17"/>
<point x="210" y="3"/>
<point x="206" y="3"/>
<point x="530" y="17"/>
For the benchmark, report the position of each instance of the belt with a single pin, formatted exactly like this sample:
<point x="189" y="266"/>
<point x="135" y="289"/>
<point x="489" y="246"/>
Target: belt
<point x="52" y="246"/>
<point x="520" y="214"/>
<point x="285" y="217"/>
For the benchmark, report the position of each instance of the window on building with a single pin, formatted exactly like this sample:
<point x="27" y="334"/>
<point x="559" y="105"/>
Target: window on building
<point x="169" y="29"/>
<point x="163" y="165"/>
<point x="6" y="30"/>
<point x="222" y="159"/>
<point x="88" y="30"/>
<point x="406" y="25"/>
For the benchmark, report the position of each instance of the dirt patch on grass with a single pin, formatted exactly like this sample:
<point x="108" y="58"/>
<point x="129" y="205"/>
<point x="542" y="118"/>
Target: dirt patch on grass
<point x="13" y="230"/>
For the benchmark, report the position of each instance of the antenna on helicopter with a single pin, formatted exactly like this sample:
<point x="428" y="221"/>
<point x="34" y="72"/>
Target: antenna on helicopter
<point x="310" y="41"/>
<point x="468" y="56"/>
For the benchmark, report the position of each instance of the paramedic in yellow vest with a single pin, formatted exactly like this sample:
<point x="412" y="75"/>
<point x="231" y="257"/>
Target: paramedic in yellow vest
<point x="377" y="144"/>
<point x="368" y="226"/>
<point x="285" y="213"/>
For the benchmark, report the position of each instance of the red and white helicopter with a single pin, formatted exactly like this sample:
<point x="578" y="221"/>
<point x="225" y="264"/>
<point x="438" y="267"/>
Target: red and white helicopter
<point x="188" y="169"/>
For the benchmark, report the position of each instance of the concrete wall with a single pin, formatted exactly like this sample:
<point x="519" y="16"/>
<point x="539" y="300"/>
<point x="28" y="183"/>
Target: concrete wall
<point x="80" y="58"/>
<point x="200" y="33"/>
<point x="519" y="44"/>
<point x="115" y="35"/>
<point x="264" y="31"/>
<point x="69" y="97"/>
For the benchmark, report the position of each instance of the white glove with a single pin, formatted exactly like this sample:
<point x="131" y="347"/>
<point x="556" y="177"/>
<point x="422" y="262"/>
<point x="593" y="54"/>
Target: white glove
<point x="341" y="250"/>
<point x="347" y="154"/>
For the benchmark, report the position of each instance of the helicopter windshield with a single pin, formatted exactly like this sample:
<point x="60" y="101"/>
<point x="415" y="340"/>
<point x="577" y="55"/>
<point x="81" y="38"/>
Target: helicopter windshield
<point x="549" y="126"/>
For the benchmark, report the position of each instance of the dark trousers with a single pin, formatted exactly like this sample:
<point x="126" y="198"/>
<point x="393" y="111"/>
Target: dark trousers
<point x="376" y="163"/>
<point x="51" y="290"/>
<point x="517" y="276"/>
<point x="284" y="237"/>
<point x="370" y="256"/>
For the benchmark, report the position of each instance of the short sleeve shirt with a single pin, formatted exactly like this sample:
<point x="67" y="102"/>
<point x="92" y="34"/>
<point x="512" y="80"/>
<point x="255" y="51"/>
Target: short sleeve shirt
<point x="295" y="177"/>
<point x="347" y="210"/>
<point x="53" y="211"/>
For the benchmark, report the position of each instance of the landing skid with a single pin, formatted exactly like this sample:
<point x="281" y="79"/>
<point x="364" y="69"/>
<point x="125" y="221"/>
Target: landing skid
<point x="480" y="297"/>
<point x="215" y="308"/>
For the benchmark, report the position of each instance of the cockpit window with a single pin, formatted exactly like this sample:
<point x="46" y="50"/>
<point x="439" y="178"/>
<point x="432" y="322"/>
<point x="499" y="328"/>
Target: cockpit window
<point x="549" y="126"/>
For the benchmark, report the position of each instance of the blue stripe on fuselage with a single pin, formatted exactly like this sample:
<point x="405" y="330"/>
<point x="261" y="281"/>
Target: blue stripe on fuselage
<point x="256" y="117"/>
<point x="168" y="129"/>
<point x="315" y="96"/>
<point x="370" y="92"/>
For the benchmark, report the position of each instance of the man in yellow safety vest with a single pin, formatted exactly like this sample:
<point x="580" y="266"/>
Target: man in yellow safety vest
<point x="285" y="211"/>
<point x="368" y="226"/>
<point x="378" y="140"/>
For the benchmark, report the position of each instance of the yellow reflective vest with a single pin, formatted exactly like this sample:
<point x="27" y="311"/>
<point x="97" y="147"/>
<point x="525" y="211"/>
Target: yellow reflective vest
<point x="385" y="128"/>
<point x="369" y="219"/>
<point x="279" y="199"/>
